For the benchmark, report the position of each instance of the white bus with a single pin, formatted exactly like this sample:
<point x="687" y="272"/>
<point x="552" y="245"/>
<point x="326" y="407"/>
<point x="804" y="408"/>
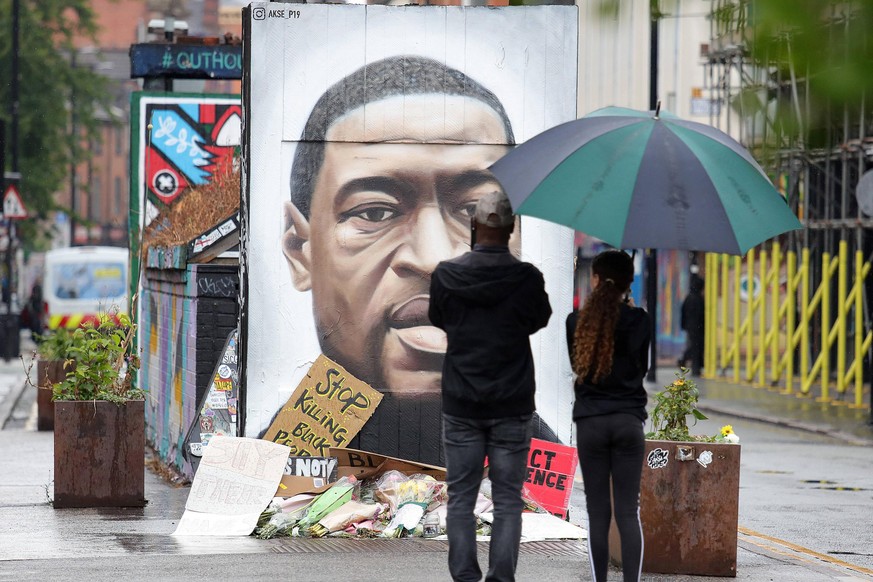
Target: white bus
<point x="82" y="283"/>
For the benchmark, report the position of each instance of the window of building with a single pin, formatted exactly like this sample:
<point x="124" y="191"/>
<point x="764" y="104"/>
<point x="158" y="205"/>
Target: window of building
<point x="117" y="209"/>
<point x="94" y="197"/>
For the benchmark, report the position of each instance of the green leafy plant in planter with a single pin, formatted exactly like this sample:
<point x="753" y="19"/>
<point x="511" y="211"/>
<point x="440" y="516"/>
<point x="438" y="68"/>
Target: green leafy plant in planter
<point x="105" y="363"/>
<point x="55" y="345"/>
<point x="99" y="420"/>
<point x="50" y="358"/>
<point x="673" y="405"/>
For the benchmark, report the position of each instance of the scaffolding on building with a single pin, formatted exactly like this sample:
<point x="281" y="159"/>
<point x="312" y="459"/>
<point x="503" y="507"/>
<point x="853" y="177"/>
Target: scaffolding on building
<point x="816" y="153"/>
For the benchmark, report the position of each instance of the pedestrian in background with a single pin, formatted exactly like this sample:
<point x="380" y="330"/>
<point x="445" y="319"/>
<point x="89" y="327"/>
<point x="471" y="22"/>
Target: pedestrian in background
<point x="692" y="322"/>
<point x="608" y="342"/>
<point x="489" y="303"/>
<point x="36" y="308"/>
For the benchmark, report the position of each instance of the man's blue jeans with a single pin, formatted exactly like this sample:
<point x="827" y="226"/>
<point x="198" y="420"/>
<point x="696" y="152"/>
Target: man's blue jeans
<point x="506" y="443"/>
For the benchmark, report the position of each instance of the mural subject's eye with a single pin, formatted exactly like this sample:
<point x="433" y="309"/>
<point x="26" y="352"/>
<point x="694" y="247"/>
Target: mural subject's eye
<point x="468" y="209"/>
<point x="370" y="213"/>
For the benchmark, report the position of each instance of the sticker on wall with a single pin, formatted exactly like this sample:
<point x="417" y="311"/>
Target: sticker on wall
<point x="705" y="458"/>
<point x="231" y="408"/>
<point x="658" y="458"/>
<point x="217" y="400"/>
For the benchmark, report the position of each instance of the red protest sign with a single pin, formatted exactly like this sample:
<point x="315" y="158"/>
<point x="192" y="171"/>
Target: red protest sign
<point x="551" y="469"/>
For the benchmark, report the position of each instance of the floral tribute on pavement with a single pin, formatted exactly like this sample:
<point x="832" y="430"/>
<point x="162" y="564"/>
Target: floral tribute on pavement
<point x="392" y="505"/>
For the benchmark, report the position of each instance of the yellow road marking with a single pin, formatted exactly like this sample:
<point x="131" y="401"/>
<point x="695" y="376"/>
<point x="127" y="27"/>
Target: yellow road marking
<point x="802" y="550"/>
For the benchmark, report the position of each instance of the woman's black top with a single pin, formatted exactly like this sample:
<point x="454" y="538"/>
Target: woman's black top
<point x="622" y="389"/>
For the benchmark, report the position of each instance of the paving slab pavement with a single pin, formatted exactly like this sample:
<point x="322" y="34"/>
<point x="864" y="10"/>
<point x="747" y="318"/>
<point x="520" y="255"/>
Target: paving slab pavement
<point x="39" y="542"/>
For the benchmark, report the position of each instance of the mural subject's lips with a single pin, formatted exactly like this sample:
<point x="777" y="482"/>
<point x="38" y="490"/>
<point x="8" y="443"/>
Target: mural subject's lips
<point x="411" y="324"/>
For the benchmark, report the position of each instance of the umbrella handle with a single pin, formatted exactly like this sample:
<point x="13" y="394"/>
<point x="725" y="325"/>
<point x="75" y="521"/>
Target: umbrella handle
<point x="658" y="110"/>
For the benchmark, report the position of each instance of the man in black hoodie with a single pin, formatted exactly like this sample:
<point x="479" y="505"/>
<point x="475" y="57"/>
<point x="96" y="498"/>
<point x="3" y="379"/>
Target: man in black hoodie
<point x="693" y="315"/>
<point x="489" y="303"/>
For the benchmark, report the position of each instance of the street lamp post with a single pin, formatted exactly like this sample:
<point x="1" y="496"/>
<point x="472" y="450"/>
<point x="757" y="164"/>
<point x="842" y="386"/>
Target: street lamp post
<point x="652" y="254"/>
<point x="74" y="134"/>
<point x="14" y="87"/>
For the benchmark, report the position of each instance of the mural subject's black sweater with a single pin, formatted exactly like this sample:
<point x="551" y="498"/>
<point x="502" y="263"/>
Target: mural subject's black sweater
<point x="489" y="303"/>
<point x="622" y="389"/>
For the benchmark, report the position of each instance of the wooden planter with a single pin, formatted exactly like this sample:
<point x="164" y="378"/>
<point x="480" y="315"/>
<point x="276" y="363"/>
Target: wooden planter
<point x="48" y="373"/>
<point x="689" y="506"/>
<point x="99" y="454"/>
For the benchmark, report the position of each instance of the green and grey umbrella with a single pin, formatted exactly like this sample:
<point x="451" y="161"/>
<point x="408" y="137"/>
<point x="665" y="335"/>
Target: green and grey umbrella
<point x="643" y="179"/>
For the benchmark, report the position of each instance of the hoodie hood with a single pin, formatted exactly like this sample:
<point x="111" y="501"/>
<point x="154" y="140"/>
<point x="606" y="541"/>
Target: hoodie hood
<point x="485" y="284"/>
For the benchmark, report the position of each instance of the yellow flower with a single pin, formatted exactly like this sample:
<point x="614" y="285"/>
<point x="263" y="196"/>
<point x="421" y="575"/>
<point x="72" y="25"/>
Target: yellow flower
<point x="726" y="430"/>
<point x="679" y="382"/>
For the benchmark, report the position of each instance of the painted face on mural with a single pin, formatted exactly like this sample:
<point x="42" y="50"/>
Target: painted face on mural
<point x="393" y="197"/>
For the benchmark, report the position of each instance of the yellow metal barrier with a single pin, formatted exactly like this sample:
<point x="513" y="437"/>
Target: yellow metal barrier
<point x="765" y="324"/>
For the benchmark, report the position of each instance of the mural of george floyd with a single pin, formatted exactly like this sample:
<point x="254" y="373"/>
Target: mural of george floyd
<point x="367" y="139"/>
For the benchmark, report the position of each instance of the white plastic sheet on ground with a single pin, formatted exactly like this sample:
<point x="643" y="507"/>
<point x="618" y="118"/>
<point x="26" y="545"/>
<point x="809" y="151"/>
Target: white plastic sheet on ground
<point x="539" y="527"/>
<point x="235" y="481"/>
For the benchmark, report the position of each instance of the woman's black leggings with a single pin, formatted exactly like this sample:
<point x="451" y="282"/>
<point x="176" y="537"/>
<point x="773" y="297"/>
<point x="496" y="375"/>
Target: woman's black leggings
<point x="612" y="445"/>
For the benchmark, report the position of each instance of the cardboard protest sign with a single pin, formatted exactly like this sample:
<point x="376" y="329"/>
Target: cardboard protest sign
<point x="361" y="464"/>
<point x="236" y="480"/>
<point x="307" y="474"/>
<point x="326" y="410"/>
<point x="551" y="469"/>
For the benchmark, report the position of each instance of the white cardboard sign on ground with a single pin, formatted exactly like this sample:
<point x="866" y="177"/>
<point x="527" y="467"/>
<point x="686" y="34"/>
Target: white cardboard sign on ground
<point x="538" y="527"/>
<point x="235" y="481"/>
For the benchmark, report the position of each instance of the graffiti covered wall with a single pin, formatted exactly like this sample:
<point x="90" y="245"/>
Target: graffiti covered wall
<point x="187" y="316"/>
<point x="167" y="340"/>
<point x="674" y="281"/>
<point x="369" y="147"/>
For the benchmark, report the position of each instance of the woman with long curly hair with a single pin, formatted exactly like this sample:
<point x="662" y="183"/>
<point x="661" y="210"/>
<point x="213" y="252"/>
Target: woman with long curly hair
<point x="609" y="342"/>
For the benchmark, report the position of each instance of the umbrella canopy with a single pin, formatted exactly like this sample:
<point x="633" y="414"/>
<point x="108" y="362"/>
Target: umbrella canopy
<point x="638" y="179"/>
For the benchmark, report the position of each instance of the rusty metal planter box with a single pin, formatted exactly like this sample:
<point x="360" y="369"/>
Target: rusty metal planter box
<point x="690" y="507"/>
<point x="99" y="454"/>
<point x="48" y="373"/>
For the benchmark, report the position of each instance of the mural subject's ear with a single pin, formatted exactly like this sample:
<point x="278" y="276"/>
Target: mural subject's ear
<point x="297" y="248"/>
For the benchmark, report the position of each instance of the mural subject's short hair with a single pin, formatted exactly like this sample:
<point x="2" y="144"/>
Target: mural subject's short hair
<point x="400" y="75"/>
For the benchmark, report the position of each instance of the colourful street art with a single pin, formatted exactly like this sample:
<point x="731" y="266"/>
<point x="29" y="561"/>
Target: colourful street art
<point x="168" y="360"/>
<point x="178" y="141"/>
<point x="189" y="144"/>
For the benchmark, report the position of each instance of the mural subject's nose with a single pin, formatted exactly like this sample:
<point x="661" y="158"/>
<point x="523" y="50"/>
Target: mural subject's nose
<point x="428" y="243"/>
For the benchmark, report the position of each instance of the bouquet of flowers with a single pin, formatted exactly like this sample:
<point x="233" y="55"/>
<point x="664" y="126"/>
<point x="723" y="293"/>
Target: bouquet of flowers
<point x="335" y="497"/>
<point x="351" y="512"/>
<point x="727" y="435"/>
